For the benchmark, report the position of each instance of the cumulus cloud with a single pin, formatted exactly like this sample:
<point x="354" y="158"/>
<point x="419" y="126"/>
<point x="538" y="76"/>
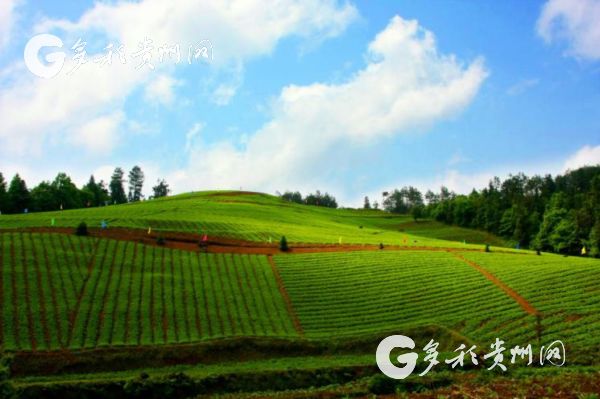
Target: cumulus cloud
<point x="586" y="156"/>
<point x="406" y="84"/>
<point x="160" y="90"/>
<point x="34" y="111"/>
<point x="7" y="20"/>
<point x="574" y="22"/>
<point x="99" y="135"/>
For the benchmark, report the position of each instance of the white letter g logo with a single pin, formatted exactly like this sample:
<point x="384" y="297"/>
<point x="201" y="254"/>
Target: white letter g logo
<point x="55" y="60"/>
<point x="383" y="356"/>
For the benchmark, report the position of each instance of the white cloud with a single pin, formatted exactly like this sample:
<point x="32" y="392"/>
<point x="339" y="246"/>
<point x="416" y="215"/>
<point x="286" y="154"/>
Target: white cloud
<point x="99" y="135"/>
<point x="586" y="156"/>
<point x="522" y="86"/>
<point x="160" y="90"/>
<point x="406" y="84"/>
<point x="36" y="111"/>
<point x="464" y="182"/>
<point x="7" y="20"/>
<point x="575" y="22"/>
<point x="191" y="135"/>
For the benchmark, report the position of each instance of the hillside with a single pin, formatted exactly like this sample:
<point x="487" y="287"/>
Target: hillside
<point x="121" y="299"/>
<point x="259" y="218"/>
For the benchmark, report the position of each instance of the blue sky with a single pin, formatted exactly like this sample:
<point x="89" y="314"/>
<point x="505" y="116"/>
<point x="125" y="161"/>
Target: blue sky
<point x="349" y="97"/>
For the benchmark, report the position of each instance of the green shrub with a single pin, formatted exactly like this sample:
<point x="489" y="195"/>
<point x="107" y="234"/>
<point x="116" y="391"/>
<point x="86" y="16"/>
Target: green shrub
<point x="382" y="385"/>
<point x="283" y="245"/>
<point x="81" y="229"/>
<point x="160" y="240"/>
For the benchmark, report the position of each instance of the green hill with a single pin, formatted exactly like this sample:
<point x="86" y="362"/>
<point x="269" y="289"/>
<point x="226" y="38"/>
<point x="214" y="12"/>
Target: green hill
<point x="256" y="217"/>
<point x="121" y="300"/>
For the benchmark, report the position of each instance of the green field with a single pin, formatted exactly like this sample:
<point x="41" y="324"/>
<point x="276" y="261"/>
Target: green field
<point x="255" y="217"/>
<point x="63" y="291"/>
<point x="76" y="305"/>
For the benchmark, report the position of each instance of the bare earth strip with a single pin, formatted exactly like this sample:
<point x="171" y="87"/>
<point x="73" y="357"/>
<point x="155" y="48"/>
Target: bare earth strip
<point x="286" y="297"/>
<point x="190" y="242"/>
<point x="527" y="307"/>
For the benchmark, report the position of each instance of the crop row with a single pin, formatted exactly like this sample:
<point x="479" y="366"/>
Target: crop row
<point x="564" y="290"/>
<point x="104" y="293"/>
<point x="367" y="292"/>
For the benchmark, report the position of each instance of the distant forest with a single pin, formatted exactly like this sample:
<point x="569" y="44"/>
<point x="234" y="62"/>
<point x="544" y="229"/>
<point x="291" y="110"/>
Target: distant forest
<point x="62" y="193"/>
<point x="559" y="214"/>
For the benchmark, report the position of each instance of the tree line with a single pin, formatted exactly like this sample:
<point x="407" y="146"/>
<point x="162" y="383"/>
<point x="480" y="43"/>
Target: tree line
<point x="62" y="193"/>
<point x="317" y="199"/>
<point x="559" y="214"/>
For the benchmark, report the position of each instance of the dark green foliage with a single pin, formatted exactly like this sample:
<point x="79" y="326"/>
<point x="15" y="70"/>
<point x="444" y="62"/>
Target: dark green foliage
<point x="66" y="194"/>
<point x="551" y="214"/>
<point x="382" y="385"/>
<point x="403" y="201"/>
<point x="295" y="197"/>
<point x="161" y="189"/>
<point x="81" y="229"/>
<point x="136" y="182"/>
<point x="18" y="195"/>
<point x="117" y="192"/>
<point x="283" y="245"/>
<point x="6" y="388"/>
<point x="3" y="195"/>
<point x="487" y="247"/>
<point x="43" y="199"/>
<point x="380" y="245"/>
<point x="94" y="194"/>
<point x="319" y="199"/>
<point x="367" y="203"/>
<point x="160" y="240"/>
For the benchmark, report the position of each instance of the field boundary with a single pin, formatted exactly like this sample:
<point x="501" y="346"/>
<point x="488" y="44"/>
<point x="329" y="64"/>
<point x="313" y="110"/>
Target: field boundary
<point x="286" y="297"/>
<point x="190" y="242"/>
<point x="527" y="307"/>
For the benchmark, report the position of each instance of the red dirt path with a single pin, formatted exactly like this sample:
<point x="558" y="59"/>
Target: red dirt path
<point x="190" y="242"/>
<point x="528" y="307"/>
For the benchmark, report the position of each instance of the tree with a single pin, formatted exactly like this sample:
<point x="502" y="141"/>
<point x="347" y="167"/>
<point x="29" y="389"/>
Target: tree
<point x="161" y="189"/>
<point x="43" y="198"/>
<point x="136" y="182"/>
<point x="594" y="240"/>
<point x="117" y="192"/>
<point x="18" y="195"/>
<point x="65" y="192"/>
<point x="94" y="194"/>
<point x="3" y="195"/>
<point x="295" y="197"/>
<point x="283" y="244"/>
<point x="367" y="204"/>
<point x="319" y="199"/>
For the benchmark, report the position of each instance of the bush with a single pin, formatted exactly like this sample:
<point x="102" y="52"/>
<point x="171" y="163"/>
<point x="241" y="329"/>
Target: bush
<point x="81" y="229"/>
<point x="380" y="245"/>
<point x="283" y="245"/>
<point x="382" y="385"/>
<point x="6" y="388"/>
<point x="487" y="247"/>
<point x="160" y="240"/>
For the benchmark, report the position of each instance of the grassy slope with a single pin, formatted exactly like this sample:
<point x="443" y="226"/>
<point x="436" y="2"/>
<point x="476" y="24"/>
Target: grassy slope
<point x="334" y="294"/>
<point x="258" y="217"/>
